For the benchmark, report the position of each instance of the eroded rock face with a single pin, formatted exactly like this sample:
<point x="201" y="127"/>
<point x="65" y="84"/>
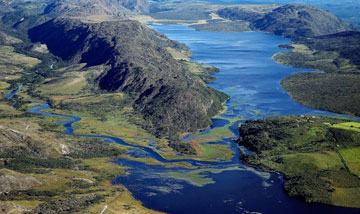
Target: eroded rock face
<point x="10" y="207"/>
<point x="16" y="143"/>
<point x="10" y="180"/>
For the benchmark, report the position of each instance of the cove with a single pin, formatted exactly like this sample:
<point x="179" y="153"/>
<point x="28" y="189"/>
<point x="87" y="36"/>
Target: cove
<point x="252" y="80"/>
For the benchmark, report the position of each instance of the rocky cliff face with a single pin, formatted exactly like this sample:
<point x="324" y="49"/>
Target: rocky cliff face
<point x="166" y="94"/>
<point x="296" y="20"/>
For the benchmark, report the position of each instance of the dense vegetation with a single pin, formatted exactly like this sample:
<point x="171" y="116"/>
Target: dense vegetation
<point x="332" y="92"/>
<point x="309" y="151"/>
<point x="336" y="90"/>
<point x="347" y="44"/>
<point x="70" y="205"/>
<point x="29" y="164"/>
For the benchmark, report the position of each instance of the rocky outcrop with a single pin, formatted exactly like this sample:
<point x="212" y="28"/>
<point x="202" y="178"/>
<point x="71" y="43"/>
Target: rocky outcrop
<point x="10" y="181"/>
<point x="14" y="143"/>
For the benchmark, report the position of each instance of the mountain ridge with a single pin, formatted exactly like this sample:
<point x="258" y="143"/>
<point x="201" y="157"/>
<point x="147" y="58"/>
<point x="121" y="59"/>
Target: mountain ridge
<point x="163" y="89"/>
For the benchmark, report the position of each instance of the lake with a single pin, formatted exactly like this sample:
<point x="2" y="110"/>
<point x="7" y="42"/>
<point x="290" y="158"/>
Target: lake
<point x="252" y="79"/>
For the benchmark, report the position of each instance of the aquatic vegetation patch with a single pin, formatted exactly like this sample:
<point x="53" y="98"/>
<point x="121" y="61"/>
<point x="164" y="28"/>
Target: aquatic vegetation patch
<point x="200" y="177"/>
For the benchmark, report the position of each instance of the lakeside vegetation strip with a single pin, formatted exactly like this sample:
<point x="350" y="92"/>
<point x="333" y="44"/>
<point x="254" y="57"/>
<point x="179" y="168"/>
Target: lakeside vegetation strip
<point x="336" y="89"/>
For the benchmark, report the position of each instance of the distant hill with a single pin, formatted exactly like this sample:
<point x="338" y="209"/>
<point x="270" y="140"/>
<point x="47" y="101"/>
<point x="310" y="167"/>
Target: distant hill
<point x="293" y="20"/>
<point x="79" y="8"/>
<point x="296" y="20"/>
<point x="164" y="91"/>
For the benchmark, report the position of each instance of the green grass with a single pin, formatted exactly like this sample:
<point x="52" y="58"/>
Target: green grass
<point x="352" y="158"/>
<point x="104" y="167"/>
<point x="219" y="132"/>
<point x="9" y="56"/>
<point x="294" y="164"/>
<point x="70" y="84"/>
<point x="214" y="152"/>
<point x="314" y="131"/>
<point x="178" y="54"/>
<point x="353" y="126"/>
<point x="346" y="197"/>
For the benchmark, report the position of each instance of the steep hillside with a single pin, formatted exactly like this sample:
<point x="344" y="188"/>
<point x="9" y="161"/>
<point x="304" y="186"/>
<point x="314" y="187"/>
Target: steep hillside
<point x="301" y="21"/>
<point x="163" y="91"/>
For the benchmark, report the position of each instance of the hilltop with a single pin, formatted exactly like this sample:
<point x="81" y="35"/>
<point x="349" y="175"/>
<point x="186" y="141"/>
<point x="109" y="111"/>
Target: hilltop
<point x="301" y="21"/>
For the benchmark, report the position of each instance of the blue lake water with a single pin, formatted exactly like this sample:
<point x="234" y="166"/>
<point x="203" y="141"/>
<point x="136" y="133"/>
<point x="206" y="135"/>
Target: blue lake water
<point x="252" y="79"/>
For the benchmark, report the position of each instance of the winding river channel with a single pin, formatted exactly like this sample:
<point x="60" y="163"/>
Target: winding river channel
<point x="252" y="79"/>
